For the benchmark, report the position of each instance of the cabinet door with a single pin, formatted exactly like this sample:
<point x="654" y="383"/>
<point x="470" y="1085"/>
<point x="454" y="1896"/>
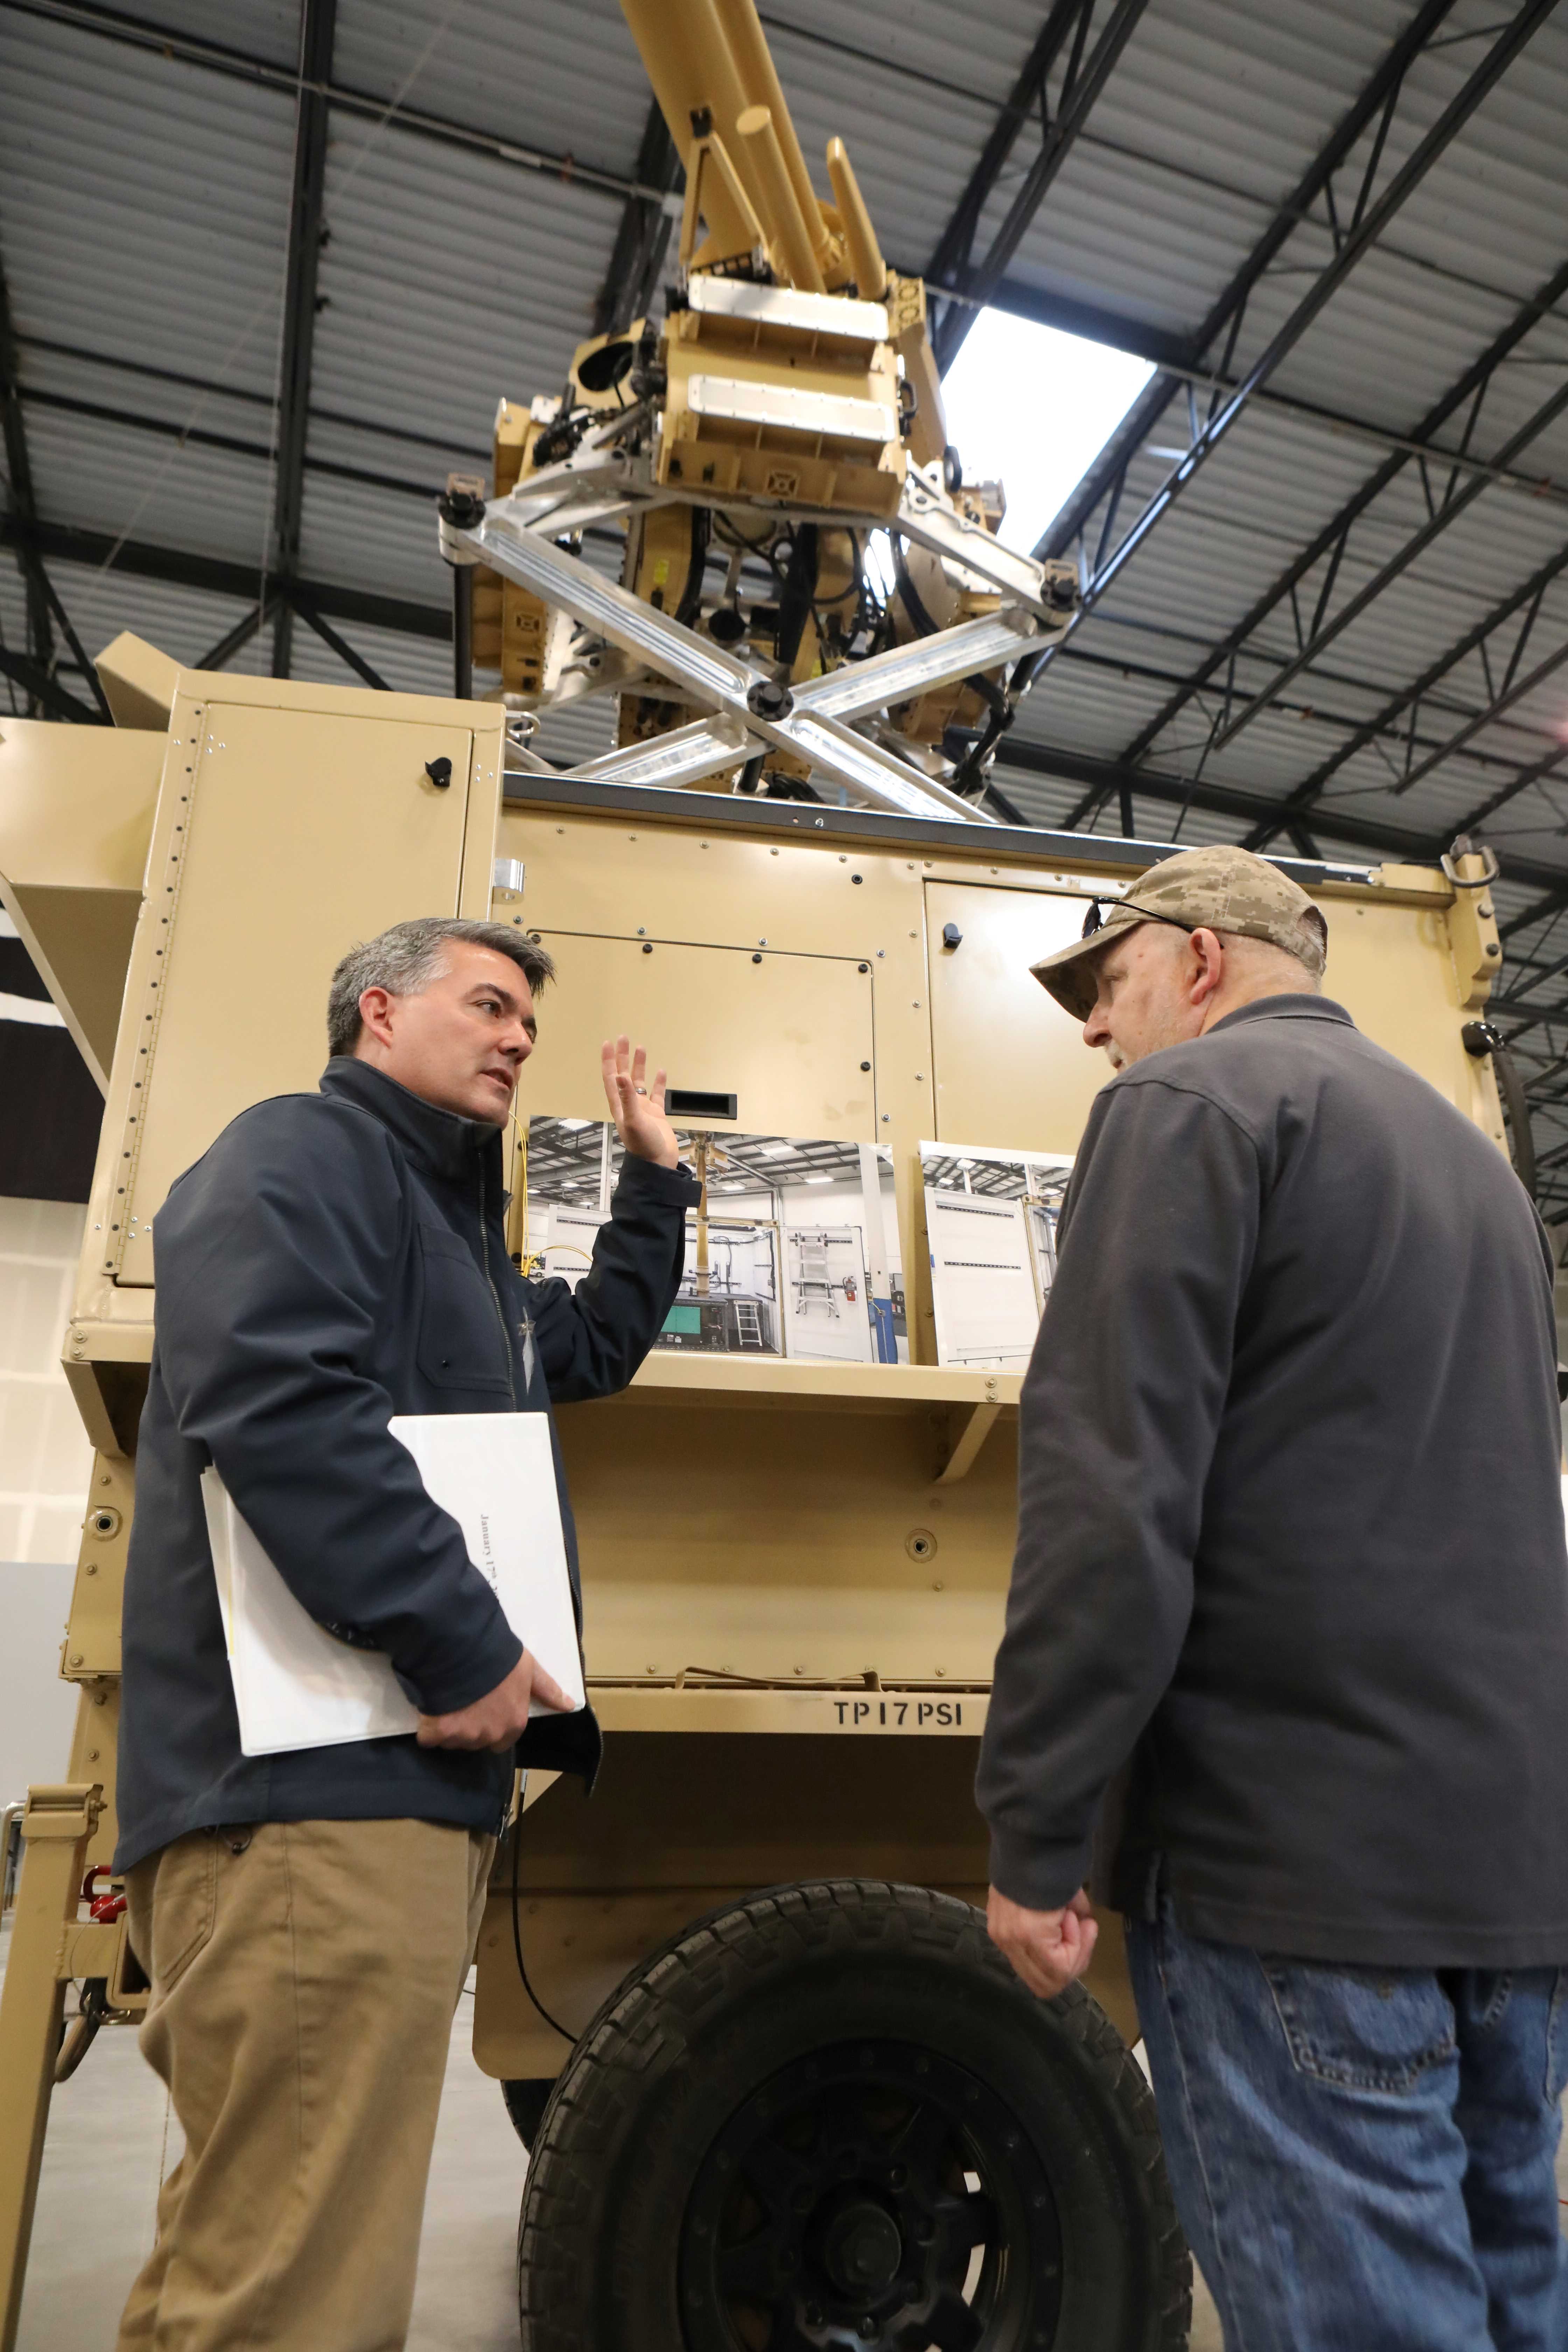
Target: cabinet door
<point x="788" y="1035"/>
<point x="282" y="836"/>
<point x="1011" y="1067"/>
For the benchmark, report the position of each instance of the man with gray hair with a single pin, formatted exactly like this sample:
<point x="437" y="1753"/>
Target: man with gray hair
<point x="307" y="1919"/>
<point x="1291" y="1550"/>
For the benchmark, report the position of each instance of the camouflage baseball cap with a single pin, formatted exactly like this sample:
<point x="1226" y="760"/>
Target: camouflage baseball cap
<point x="1217" y="889"/>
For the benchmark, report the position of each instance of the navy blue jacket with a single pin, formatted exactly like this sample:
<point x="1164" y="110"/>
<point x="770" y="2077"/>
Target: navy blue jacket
<point x="333" y="1260"/>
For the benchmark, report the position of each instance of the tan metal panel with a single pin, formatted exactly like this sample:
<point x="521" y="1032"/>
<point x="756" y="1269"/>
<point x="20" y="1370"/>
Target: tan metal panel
<point x="1010" y="1065"/>
<point x="799" y="1544"/>
<point x="1391" y="969"/>
<point x="789" y="1036"/>
<point x="229" y="980"/>
<point x="75" y="813"/>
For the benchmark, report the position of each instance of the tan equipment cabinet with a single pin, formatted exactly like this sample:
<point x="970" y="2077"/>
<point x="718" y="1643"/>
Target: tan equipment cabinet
<point x="794" y="1572"/>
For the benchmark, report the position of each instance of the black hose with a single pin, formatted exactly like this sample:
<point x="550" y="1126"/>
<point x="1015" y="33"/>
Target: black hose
<point x="517" y="1929"/>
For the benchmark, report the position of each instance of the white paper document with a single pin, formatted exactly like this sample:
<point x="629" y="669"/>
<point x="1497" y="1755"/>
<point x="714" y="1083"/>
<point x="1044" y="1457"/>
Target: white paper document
<point x="296" y="1686"/>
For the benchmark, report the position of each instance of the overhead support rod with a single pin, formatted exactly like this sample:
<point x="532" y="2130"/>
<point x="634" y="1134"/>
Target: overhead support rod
<point x="317" y="33"/>
<point x="642" y="240"/>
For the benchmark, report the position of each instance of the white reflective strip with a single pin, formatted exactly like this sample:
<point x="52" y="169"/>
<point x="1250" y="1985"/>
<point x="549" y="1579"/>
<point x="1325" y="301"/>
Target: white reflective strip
<point x="785" y="306"/>
<point x="31" y="1009"/>
<point x="746" y="403"/>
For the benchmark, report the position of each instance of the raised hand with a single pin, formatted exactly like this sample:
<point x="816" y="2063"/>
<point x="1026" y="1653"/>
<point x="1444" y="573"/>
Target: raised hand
<point x="636" y="1109"/>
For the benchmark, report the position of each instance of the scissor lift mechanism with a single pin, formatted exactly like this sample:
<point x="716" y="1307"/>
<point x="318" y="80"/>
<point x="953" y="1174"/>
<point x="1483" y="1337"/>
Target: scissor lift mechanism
<point x="754" y="712"/>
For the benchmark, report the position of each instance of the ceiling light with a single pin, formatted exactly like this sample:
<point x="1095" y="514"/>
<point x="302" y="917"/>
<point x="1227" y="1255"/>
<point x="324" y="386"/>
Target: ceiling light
<point x="819" y="1180"/>
<point x="1034" y="407"/>
<point x="775" y="1152"/>
<point x="574" y="1126"/>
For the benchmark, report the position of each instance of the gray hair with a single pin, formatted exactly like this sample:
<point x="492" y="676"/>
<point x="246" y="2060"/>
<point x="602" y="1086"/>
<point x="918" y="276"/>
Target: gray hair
<point x="406" y="958"/>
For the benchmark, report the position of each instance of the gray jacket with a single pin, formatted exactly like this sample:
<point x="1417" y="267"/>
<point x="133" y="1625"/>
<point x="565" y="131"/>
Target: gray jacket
<point x="1290" y="1532"/>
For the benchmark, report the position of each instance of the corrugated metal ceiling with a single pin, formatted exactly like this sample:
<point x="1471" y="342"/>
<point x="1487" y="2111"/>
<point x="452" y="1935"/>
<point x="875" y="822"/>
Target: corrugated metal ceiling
<point x="478" y="159"/>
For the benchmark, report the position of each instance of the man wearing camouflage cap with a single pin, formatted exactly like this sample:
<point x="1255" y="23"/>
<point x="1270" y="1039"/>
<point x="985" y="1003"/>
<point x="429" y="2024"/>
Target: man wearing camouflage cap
<point x="1287" y="1636"/>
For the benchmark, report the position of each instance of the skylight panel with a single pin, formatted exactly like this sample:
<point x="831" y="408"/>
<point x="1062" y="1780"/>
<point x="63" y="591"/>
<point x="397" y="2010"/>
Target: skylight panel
<point x="1034" y="407"/>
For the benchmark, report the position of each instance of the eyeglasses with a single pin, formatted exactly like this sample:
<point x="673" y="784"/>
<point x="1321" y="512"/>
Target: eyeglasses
<point x="1094" y="920"/>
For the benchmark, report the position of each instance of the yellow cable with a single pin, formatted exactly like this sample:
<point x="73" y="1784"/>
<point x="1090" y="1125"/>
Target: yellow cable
<point x="531" y="1262"/>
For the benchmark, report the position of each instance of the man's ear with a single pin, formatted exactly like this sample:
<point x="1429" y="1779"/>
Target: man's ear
<point x="375" y="1014"/>
<point x="1209" y="952"/>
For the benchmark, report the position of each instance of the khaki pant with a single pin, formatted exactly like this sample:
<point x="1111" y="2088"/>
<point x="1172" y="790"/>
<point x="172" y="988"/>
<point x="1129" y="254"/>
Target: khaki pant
<point x="304" y="1975"/>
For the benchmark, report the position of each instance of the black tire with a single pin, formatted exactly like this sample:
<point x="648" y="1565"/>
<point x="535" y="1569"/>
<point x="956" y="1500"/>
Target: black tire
<point x="831" y="2115"/>
<point x="525" y="2103"/>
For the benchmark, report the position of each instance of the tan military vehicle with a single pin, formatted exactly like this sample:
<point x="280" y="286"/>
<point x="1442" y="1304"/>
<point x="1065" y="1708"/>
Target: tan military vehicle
<point x="820" y="2112"/>
<point x="778" y="2089"/>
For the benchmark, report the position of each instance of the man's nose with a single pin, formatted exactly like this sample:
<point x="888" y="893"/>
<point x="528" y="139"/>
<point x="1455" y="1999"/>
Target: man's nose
<point x="1095" y="1031"/>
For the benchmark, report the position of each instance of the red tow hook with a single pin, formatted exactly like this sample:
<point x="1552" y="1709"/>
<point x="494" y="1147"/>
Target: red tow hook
<point x="103" y="1908"/>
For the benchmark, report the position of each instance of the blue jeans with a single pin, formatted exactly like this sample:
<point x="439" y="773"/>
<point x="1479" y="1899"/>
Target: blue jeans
<point x="1362" y="2158"/>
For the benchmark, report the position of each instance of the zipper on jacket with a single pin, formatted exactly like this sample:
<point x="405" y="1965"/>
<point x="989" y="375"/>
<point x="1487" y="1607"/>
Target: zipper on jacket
<point x="489" y="1286"/>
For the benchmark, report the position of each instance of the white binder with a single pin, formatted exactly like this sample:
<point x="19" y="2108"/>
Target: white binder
<point x="296" y="1686"/>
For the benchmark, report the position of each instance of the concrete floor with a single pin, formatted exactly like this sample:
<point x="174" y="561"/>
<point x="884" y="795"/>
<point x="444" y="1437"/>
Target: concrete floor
<point x="111" y="2139"/>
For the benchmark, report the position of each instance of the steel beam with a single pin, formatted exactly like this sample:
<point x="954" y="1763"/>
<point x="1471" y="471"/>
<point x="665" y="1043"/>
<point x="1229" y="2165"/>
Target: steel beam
<point x="1083" y="78"/>
<point x="318" y="29"/>
<point x="87" y="667"/>
<point x="43" y="689"/>
<point x="1552" y="903"/>
<point x="217" y="57"/>
<point x="231" y="443"/>
<point x="1331" y="540"/>
<point x="1108" y="778"/>
<point x="1326" y="628"/>
<point x="1528" y="594"/>
<point x="642" y="239"/>
<point x="235" y="640"/>
<point x="1369" y="219"/>
<point x="339" y="645"/>
<point x="67" y="543"/>
<point x="242" y="394"/>
<point x="40" y="644"/>
<point x="1228" y="308"/>
<point x="1172" y="355"/>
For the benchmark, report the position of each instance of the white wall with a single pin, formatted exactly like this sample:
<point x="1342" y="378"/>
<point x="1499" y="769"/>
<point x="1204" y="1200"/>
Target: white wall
<point x="37" y="1709"/>
<point x="44" y="1461"/>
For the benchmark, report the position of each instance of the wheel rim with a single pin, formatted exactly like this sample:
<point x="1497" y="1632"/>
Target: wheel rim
<point x="873" y="2194"/>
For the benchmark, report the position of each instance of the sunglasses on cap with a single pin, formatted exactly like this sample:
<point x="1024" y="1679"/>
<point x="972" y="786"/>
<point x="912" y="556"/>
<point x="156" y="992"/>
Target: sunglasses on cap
<point x="1094" y="919"/>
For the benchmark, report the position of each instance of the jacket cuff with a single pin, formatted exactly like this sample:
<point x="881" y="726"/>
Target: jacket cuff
<point x="458" y="1685"/>
<point x="1043" y="1874"/>
<point x="674" y="1188"/>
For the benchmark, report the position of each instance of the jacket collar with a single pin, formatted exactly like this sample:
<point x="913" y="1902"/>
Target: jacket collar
<point x="1285" y="1008"/>
<point x="437" y="1140"/>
